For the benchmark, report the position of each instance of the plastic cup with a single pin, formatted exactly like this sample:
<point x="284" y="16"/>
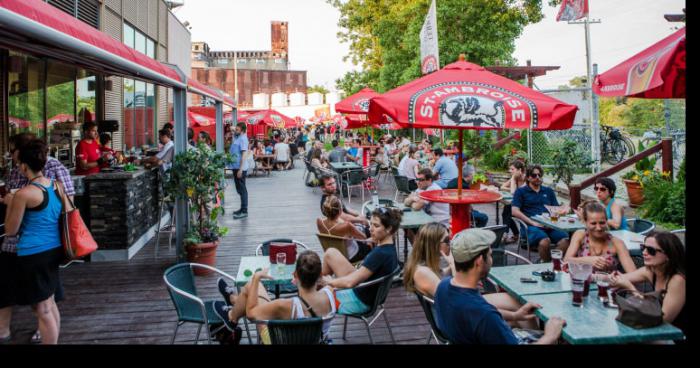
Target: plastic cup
<point x="556" y="259"/>
<point x="281" y="262"/>
<point x="603" y="282"/>
<point x="577" y="287"/>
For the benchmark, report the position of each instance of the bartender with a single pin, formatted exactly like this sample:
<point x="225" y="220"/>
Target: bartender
<point x="88" y="156"/>
<point x="164" y="158"/>
<point x="105" y="139"/>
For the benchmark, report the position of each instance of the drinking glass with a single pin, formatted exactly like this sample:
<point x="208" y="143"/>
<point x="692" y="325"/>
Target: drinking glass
<point x="577" y="287"/>
<point x="281" y="262"/>
<point x="556" y="259"/>
<point x="602" y="279"/>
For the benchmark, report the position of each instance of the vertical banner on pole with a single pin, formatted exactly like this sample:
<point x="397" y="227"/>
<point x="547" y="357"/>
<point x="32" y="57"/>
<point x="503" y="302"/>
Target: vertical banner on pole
<point x="429" y="52"/>
<point x="572" y="10"/>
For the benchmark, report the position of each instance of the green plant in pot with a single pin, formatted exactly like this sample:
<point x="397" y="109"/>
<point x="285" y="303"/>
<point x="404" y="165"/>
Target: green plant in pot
<point x="633" y="178"/>
<point x="478" y="180"/>
<point x="197" y="176"/>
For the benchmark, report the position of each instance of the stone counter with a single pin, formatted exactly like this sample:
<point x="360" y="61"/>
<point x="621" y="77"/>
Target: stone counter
<point x="122" y="211"/>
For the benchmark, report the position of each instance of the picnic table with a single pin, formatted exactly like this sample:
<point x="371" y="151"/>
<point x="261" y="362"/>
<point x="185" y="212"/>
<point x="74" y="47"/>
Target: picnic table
<point x="592" y="323"/>
<point x="261" y="262"/>
<point x="563" y="224"/>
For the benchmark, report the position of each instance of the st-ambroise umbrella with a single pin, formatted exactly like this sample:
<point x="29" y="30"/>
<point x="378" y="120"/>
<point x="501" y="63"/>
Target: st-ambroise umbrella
<point x="463" y="95"/>
<point x="270" y="117"/>
<point x="657" y="72"/>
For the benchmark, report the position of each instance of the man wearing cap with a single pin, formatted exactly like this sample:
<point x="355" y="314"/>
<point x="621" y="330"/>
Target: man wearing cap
<point x="462" y="314"/>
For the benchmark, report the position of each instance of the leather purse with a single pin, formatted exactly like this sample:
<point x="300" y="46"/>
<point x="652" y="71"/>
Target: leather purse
<point x="75" y="237"/>
<point x="639" y="310"/>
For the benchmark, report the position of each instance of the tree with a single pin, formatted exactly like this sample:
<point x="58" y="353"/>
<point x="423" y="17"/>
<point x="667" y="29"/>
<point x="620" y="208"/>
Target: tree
<point x="320" y="89"/>
<point x="384" y="34"/>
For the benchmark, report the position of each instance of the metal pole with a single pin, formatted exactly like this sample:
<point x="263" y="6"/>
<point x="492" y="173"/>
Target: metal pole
<point x="459" y="164"/>
<point x="595" y="127"/>
<point x="181" y="210"/>
<point x="219" y="127"/>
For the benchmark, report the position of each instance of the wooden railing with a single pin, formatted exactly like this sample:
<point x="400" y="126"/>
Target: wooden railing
<point x="666" y="148"/>
<point x="503" y="141"/>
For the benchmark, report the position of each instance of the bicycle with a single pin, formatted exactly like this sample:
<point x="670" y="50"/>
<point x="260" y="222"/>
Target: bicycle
<point x="653" y="136"/>
<point x="614" y="145"/>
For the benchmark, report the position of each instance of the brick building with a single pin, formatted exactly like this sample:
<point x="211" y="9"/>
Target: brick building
<point x="257" y="71"/>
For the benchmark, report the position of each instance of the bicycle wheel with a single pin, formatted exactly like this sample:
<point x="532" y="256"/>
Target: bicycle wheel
<point x="617" y="152"/>
<point x="631" y="151"/>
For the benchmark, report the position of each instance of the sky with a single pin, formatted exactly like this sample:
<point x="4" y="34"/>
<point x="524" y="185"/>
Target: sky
<point x="627" y="27"/>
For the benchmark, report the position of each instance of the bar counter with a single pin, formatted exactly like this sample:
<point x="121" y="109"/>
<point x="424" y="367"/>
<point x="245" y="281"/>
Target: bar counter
<point x="120" y="209"/>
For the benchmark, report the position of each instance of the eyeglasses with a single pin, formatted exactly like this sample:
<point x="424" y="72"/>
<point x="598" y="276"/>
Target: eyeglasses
<point x="421" y="179"/>
<point x="534" y="175"/>
<point x="651" y="250"/>
<point x="446" y="240"/>
<point x="600" y="189"/>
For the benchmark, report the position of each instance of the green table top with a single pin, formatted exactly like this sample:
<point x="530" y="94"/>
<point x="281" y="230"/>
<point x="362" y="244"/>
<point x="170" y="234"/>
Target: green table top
<point x="594" y="323"/>
<point x="410" y="219"/>
<point x="508" y="277"/>
<point x="253" y="263"/>
<point x="344" y="165"/>
<point x="562" y="224"/>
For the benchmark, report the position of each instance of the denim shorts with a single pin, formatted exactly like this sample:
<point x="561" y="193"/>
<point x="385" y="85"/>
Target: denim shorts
<point x="350" y="303"/>
<point x="535" y="234"/>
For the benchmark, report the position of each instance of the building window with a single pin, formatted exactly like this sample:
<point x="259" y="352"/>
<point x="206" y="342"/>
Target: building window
<point x="242" y="61"/>
<point x="25" y="103"/>
<point x="150" y="48"/>
<point x="139" y="41"/>
<point x="87" y="11"/>
<point x="129" y="35"/>
<point x="139" y="114"/>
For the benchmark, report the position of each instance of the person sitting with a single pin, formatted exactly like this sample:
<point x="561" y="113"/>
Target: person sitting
<point x="329" y="187"/>
<point x="605" y="191"/>
<point x="255" y="303"/>
<point x="164" y="158"/>
<point x="529" y="201"/>
<point x="191" y="144"/>
<point x="356" y="150"/>
<point x="665" y="268"/>
<point x="317" y="159"/>
<point x="438" y="210"/>
<point x="411" y="168"/>
<point x="463" y="315"/>
<point x="381" y="158"/>
<point x="380" y="262"/>
<point x="445" y="169"/>
<point x="517" y="180"/>
<point x="339" y="154"/>
<point x="480" y="218"/>
<point x="282" y="155"/>
<point x="595" y="245"/>
<point x="316" y="145"/>
<point x="357" y="236"/>
<point x="204" y="137"/>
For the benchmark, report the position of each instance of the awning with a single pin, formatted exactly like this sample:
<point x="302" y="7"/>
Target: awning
<point x="70" y="39"/>
<point x="200" y="88"/>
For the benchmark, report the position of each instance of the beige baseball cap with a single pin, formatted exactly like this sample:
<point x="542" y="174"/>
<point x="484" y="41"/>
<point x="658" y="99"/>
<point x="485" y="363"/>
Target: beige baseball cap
<point x="468" y="243"/>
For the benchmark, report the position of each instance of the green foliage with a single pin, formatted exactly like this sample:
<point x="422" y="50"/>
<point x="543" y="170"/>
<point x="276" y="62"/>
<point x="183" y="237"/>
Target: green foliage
<point x="641" y="167"/>
<point x="541" y="156"/>
<point x="352" y="82"/>
<point x="638" y="115"/>
<point x="568" y="158"/>
<point x="320" y="89"/>
<point x="664" y="199"/>
<point x="197" y="176"/>
<point x="475" y="145"/>
<point x="384" y="35"/>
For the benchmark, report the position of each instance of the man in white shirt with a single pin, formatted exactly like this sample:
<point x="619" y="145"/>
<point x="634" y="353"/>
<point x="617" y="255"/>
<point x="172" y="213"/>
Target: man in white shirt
<point x="163" y="158"/>
<point x="281" y="152"/>
<point x="440" y="212"/>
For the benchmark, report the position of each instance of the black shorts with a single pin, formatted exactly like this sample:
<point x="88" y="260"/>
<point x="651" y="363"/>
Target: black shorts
<point x="37" y="276"/>
<point x="8" y="279"/>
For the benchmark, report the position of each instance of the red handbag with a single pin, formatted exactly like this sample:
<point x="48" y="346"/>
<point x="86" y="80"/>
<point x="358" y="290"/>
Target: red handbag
<point x="75" y="236"/>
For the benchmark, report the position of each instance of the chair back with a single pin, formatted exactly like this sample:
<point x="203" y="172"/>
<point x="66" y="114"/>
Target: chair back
<point x="428" y="308"/>
<point x="183" y="292"/>
<point x="640" y="226"/>
<point x="383" y="286"/>
<point x="353" y="177"/>
<point x="402" y="184"/>
<point x="499" y="230"/>
<point x="375" y="169"/>
<point x="263" y="249"/>
<point x="332" y="241"/>
<point x="680" y="233"/>
<point x="394" y="170"/>
<point x="305" y="331"/>
<point x="522" y="226"/>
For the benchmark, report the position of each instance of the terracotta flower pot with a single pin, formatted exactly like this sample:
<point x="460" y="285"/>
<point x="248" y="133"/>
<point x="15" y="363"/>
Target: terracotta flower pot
<point x="204" y="253"/>
<point x="634" y="192"/>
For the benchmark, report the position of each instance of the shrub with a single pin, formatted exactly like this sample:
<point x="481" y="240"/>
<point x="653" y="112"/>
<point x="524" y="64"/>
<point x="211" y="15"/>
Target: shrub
<point x="568" y="159"/>
<point x="664" y="198"/>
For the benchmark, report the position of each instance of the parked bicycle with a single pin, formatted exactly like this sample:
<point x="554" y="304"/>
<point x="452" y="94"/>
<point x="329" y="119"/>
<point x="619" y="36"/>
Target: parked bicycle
<point x="653" y="136"/>
<point x="614" y="145"/>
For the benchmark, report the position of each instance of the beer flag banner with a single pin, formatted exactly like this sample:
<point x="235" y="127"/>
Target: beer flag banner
<point x="429" y="51"/>
<point x="572" y="10"/>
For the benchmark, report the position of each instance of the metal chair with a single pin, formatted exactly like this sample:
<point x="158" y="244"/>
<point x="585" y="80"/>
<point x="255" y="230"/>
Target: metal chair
<point x="401" y="186"/>
<point x="522" y="236"/>
<point x="680" y="233"/>
<point x="353" y="179"/>
<point x="165" y="202"/>
<point x="188" y="305"/>
<point x="502" y="255"/>
<point x="383" y="285"/>
<point x="427" y="305"/>
<point x="382" y="202"/>
<point x="331" y="241"/>
<point x="263" y="249"/>
<point x="640" y="226"/>
<point x="499" y="230"/>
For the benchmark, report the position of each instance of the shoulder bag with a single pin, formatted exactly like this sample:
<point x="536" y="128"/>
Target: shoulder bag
<point x="639" y="310"/>
<point x="75" y="237"/>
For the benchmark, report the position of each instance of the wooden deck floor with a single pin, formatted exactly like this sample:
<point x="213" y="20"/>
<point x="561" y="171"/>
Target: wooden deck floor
<point x="127" y="302"/>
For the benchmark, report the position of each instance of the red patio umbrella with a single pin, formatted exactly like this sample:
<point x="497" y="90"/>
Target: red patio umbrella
<point x="657" y="72"/>
<point x="18" y="123"/>
<point x="463" y="95"/>
<point x="271" y="118"/>
<point x="60" y="118"/>
<point x="357" y="103"/>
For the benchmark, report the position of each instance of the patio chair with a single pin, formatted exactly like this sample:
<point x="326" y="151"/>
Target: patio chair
<point x="382" y="285"/>
<point x="401" y="186"/>
<point x="522" y="236"/>
<point x="500" y="231"/>
<point x="435" y="333"/>
<point x="640" y="226"/>
<point x="382" y="202"/>
<point x="353" y="179"/>
<point x="165" y="205"/>
<point x="680" y="233"/>
<point x="263" y="249"/>
<point x="189" y="306"/>
<point x="305" y="331"/>
<point x="331" y="241"/>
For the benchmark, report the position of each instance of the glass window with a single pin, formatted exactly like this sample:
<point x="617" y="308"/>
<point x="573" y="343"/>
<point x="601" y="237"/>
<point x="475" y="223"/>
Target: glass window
<point x="140" y="42"/>
<point x="140" y="114"/>
<point x="150" y="48"/>
<point x="150" y="124"/>
<point x="60" y="103"/>
<point x="25" y="94"/>
<point x="129" y="89"/>
<point x="86" y="87"/>
<point x="128" y="35"/>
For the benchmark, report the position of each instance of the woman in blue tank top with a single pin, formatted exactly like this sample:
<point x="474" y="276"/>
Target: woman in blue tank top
<point x="605" y="191"/>
<point x="33" y="214"/>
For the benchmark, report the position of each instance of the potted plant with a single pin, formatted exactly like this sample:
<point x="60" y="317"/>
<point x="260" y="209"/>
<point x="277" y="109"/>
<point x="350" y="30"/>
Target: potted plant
<point x="633" y="178"/>
<point x="478" y="181"/>
<point x="196" y="177"/>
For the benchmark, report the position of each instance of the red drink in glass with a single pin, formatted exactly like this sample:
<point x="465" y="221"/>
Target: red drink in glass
<point x="556" y="264"/>
<point x="577" y="289"/>
<point x="586" y="287"/>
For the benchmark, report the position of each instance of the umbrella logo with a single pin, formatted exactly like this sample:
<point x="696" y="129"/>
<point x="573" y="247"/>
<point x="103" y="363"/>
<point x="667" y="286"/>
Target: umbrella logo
<point x="429" y="64"/>
<point x="641" y="74"/>
<point x="476" y="111"/>
<point x="362" y="104"/>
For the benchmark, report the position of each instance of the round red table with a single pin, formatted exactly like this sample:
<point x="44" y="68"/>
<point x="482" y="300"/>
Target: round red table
<point x="365" y="154"/>
<point x="460" y="206"/>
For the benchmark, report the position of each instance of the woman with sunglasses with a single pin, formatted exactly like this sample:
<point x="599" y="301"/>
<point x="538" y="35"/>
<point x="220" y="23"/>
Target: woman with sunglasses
<point x="423" y="273"/>
<point x="605" y="191"/>
<point x="664" y="268"/>
<point x="595" y="245"/>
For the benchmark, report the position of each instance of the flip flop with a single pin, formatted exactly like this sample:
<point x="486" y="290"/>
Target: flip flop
<point x="36" y="338"/>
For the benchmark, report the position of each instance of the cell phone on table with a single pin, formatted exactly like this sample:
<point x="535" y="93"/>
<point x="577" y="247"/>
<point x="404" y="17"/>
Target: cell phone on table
<point x="528" y="280"/>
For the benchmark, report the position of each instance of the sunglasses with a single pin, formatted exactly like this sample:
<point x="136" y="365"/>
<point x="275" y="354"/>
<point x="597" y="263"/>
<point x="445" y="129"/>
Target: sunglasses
<point x="600" y="189"/>
<point x="535" y="175"/>
<point x="421" y="179"/>
<point x="651" y="250"/>
<point x="446" y="240"/>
